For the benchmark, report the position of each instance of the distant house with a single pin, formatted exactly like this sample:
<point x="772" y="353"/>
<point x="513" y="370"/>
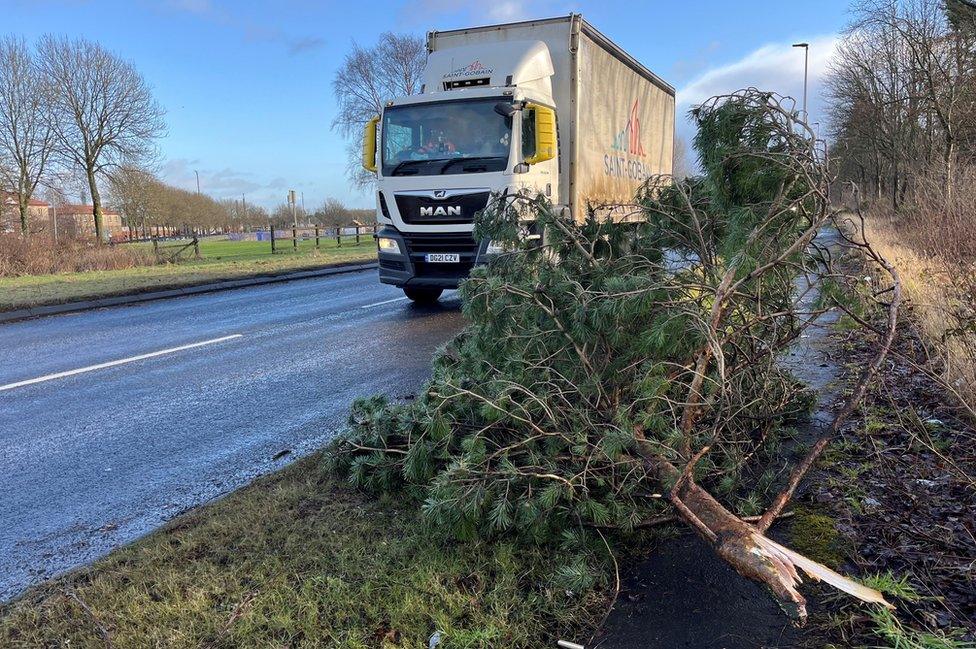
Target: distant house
<point x="38" y="212"/>
<point x="82" y="219"/>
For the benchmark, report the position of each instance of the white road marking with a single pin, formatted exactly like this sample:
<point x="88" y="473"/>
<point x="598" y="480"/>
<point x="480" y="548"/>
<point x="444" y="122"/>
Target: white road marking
<point x="396" y="299"/>
<point x="123" y="361"/>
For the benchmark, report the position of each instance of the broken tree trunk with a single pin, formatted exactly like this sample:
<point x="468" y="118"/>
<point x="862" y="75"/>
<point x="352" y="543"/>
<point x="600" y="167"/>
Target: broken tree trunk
<point x="743" y="547"/>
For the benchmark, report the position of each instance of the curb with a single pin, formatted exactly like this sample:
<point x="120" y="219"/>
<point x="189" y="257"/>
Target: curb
<point x="135" y="298"/>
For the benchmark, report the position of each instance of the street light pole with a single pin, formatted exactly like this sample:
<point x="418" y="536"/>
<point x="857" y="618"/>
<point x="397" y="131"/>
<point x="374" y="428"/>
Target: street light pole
<point x="198" y="180"/>
<point x="806" y="68"/>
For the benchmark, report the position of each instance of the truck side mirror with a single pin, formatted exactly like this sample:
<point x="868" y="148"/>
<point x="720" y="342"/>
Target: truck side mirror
<point x="545" y="133"/>
<point x="505" y="108"/>
<point x="369" y="145"/>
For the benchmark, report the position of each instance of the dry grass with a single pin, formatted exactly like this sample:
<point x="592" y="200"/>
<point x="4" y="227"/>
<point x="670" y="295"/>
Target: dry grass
<point x="933" y="245"/>
<point x="41" y="256"/>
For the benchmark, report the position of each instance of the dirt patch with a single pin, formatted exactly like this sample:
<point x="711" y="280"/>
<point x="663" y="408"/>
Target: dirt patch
<point x="900" y="482"/>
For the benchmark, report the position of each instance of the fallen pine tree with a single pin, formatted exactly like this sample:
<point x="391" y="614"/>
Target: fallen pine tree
<point x="622" y="373"/>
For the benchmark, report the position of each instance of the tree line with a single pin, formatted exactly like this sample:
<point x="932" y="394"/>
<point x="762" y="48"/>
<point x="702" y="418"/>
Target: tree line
<point x="901" y="92"/>
<point x="147" y="201"/>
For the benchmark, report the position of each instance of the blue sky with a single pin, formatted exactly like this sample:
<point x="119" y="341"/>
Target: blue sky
<point x="247" y="85"/>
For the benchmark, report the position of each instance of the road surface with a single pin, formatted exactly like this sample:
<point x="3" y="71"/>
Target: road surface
<point x="113" y="421"/>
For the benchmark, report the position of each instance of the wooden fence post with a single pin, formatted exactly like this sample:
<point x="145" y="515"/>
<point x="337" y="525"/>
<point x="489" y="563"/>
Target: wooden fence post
<point x="338" y="237"/>
<point x="294" y="239"/>
<point x="357" y="234"/>
<point x="271" y="230"/>
<point x="196" y="246"/>
<point x="155" y="243"/>
<point x="316" y="237"/>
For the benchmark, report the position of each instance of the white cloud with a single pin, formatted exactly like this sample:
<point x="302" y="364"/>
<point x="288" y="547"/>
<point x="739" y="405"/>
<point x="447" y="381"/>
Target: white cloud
<point x="777" y="67"/>
<point x="219" y="183"/>
<point x="254" y="32"/>
<point x="449" y="13"/>
<point x="200" y="7"/>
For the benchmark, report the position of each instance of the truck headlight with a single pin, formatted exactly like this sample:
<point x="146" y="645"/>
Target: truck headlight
<point x="389" y="245"/>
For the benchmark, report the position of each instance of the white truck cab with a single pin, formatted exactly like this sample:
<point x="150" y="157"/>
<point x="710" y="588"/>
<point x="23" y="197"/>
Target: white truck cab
<point x="491" y="117"/>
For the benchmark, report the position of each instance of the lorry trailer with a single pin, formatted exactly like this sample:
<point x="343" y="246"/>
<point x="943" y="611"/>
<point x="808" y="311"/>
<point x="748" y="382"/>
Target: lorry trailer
<point x="550" y="107"/>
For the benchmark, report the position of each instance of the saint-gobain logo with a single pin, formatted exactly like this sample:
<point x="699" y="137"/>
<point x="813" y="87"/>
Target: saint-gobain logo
<point x="629" y="139"/>
<point x="475" y="69"/>
<point x="440" y="210"/>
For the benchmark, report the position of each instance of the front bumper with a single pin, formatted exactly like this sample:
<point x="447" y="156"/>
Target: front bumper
<point x="410" y="268"/>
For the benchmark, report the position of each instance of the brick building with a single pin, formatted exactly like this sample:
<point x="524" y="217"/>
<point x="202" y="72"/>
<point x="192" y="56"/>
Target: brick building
<point x="38" y="213"/>
<point x="81" y="219"/>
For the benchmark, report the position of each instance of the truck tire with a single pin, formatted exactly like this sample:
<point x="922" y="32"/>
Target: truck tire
<point x="422" y="295"/>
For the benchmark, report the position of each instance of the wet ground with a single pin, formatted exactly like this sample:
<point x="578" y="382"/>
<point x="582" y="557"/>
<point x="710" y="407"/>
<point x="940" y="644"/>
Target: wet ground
<point x="900" y="493"/>
<point x="92" y="460"/>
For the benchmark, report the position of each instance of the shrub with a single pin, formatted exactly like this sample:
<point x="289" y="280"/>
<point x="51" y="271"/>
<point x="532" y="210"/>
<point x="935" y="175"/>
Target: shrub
<point x="40" y="256"/>
<point x="932" y="240"/>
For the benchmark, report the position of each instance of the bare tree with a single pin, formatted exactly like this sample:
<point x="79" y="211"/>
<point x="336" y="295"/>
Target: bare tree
<point x="902" y="91"/>
<point x="332" y="213"/>
<point x="105" y="113"/>
<point x="281" y="215"/>
<point x="26" y="136"/>
<point x="136" y="193"/>
<point x="682" y="166"/>
<point x="368" y="77"/>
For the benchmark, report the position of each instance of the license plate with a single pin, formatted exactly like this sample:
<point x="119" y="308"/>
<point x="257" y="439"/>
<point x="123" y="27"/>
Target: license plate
<point x="443" y="258"/>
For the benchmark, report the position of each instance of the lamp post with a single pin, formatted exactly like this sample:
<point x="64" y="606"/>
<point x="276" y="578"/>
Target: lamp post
<point x="806" y="67"/>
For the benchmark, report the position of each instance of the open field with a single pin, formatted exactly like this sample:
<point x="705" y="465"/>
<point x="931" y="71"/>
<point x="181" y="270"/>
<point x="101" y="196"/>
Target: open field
<point x="221" y="260"/>
<point x="298" y="560"/>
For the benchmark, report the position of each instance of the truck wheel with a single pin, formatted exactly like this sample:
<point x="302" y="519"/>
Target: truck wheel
<point x="422" y="295"/>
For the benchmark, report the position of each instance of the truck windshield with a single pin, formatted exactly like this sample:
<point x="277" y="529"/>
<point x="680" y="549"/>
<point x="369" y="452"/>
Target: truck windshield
<point x="453" y="137"/>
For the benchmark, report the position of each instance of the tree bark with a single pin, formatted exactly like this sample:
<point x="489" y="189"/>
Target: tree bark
<point x="743" y="546"/>
<point x="96" y="204"/>
<point x="22" y="207"/>
<point x="950" y="156"/>
<point x="731" y="537"/>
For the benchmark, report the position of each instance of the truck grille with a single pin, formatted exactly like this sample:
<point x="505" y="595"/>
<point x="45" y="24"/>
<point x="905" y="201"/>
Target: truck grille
<point x="419" y="245"/>
<point x="421" y="210"/>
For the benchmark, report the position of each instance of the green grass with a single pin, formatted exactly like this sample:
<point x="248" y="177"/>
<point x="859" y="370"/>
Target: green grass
<point x="296" y="560"/>
<point x="221" y="259"/>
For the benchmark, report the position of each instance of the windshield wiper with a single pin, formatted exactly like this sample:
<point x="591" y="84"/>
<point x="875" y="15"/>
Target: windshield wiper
<point x="453" y="161"/>
<point x="403" y="164"/>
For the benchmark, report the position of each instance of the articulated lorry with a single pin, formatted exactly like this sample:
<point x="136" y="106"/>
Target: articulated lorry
<point x="548" y="107"/>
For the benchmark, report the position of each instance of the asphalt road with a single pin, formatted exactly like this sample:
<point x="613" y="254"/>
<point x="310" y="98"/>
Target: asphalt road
<point x="188" y="399"/>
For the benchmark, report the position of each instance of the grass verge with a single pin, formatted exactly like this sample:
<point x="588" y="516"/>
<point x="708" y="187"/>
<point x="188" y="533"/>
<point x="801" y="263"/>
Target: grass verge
<point x="297" y="560"/>
<point x="221" y="260"/>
